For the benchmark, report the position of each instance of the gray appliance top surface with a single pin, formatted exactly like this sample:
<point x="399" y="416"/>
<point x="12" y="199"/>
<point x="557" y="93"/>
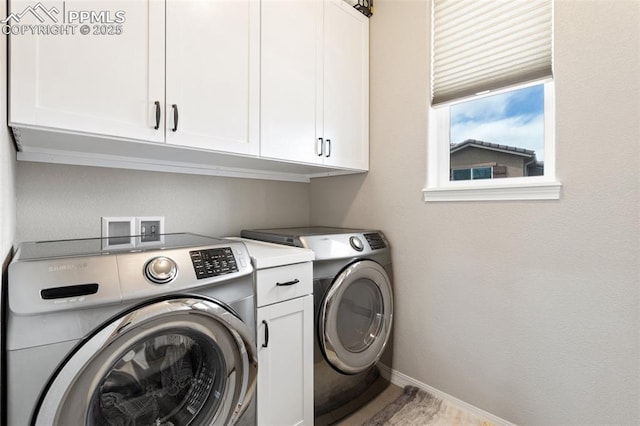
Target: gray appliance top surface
<point x="326" y="242"/>
<point x="40" y="250"/>
<point x="291" y="236"/>
<point x="309" y="230"/>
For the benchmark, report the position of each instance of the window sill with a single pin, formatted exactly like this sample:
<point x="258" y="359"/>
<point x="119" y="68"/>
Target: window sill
<point x="502" y="192"/>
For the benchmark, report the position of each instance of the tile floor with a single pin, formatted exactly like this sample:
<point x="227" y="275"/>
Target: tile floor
<point x="365" y="413"/>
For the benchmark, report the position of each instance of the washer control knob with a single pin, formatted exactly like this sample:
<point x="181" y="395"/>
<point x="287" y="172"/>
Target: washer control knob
<point x="356" y="243"/>
<point x="161" y="270"/>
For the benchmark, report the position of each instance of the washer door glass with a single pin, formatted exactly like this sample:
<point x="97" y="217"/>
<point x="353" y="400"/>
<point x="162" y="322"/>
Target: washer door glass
<point x="166" y="379"/>
<point x="186" y="361"/>
<point x="355" y="317"/>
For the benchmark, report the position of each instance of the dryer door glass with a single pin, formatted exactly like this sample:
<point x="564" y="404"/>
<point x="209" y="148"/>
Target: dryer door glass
<point x="361" y="307"/>
<point x="355" y="317"/>
<point x="185" y="361"/>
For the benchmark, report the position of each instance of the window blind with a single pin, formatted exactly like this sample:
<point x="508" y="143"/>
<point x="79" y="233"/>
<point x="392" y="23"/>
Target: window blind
<point x="480" y="45"/>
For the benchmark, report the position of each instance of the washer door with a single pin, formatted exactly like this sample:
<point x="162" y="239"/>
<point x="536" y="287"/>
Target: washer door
<point x="355" y="317"/>
<point x="183" y="361"/>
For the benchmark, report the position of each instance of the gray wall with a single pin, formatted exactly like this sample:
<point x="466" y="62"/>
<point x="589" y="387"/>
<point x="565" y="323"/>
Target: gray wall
<point x="58" y="201"/>
<point x="529" y="310"/>
<point x="7" y="177"/>
<point x="7" y="160"/>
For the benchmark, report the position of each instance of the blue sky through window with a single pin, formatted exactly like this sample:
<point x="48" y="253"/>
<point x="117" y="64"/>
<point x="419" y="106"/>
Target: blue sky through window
<point x="514" y="118"/>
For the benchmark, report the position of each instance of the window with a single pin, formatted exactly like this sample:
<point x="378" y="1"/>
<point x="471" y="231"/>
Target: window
<point x="491" y="129"/>
<point x="506" y="131"/>
<point x="472" y="173"/>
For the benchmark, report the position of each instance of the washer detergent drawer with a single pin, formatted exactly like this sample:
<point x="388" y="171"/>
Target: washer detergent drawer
<point x="275" y="285"/>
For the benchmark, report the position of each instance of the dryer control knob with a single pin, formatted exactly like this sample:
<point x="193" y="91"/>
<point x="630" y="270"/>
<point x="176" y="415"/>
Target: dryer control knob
<point x="356" y="243"/>
<point x="161" y="270"/>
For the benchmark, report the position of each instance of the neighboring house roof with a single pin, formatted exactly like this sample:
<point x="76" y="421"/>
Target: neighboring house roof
<point x="492" y="147"/>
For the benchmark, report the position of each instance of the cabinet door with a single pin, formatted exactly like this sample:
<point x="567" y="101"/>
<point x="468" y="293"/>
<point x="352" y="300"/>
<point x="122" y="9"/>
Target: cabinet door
<point x="291" y="80"/>
<point x="213" y="67"/>
<point x="104" y="82"/>
<point x="346" y="86"/>
<point x="285" y="372"/>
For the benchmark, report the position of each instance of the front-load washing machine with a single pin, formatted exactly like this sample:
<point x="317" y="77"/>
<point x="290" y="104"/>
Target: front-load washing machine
<point x="158" y="333"/>
<point x="353" y="303"/>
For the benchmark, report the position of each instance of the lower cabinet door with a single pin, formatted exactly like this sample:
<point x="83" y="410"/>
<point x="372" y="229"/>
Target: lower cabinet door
<point x="285" y="363"/>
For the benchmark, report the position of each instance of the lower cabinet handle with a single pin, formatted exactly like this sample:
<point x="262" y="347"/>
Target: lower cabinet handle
<point x="328" y="148"/>
<point x="266" y="334"/>
<point x="296" y="281"/>
<point x="175" y="117"/>
<point x="157" y="115"/>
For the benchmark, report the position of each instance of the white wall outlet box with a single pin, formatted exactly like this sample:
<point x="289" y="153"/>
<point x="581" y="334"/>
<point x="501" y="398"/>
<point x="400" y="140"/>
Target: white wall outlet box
<point x="118" y="232"/>
<point x="150" y="228"/>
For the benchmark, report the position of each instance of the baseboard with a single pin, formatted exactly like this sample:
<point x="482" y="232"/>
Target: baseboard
<point x="402" y="380"/>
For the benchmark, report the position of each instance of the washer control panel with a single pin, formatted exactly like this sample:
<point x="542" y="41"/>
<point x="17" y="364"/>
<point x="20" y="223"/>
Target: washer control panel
<point x="213" y="262"/>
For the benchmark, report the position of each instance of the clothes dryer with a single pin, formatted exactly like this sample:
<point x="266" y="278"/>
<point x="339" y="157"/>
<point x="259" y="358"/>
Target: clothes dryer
<point x="158" y="333"/>
<point x="353" y="302"/>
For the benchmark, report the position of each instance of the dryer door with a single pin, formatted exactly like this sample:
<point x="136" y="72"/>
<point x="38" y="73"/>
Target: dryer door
<point x="182" y="361"/>
<point x="355" y="317"/>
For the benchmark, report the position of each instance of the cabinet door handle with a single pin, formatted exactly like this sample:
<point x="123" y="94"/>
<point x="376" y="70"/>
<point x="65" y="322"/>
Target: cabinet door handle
<point x="175" y="117"/>
<point x="157" y="115"/>
<point x="328" y="154"/>
<point x="296" y="281"/>
<point x="266" y="334"/>
<point x="319" y="147"/>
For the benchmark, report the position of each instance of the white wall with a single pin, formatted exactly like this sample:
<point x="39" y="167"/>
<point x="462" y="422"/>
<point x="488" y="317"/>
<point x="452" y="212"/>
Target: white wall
<point x="7" y="175"/>
<point x="57" y="201"/>
<point x="7" y="160"/>
<point x="528" y="310"/>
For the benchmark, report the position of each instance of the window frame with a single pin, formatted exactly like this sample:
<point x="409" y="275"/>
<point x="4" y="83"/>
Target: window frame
<point x="439" y="187"/>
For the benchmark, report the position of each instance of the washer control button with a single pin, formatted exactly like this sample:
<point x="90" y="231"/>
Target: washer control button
<point x="356" y="243"/>
<point x="161" y="270"/>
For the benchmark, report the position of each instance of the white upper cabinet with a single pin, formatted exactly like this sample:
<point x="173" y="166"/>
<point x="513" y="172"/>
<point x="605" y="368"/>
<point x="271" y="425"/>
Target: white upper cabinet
<point x="315" y="83"/>
<point x="267" y="89"/>
<point x="291" y="92"/>
<point x="114" y="84"/>
<point x="346" y="86"/>
<point x="213" y="74"/>
<point x="93" y="83"/>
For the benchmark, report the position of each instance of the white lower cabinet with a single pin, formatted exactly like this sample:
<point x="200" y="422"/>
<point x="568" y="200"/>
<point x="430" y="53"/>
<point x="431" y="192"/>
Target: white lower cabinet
<point x="285" y="348"/>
